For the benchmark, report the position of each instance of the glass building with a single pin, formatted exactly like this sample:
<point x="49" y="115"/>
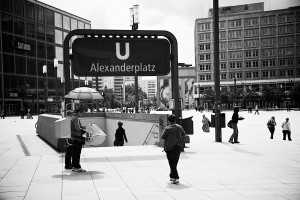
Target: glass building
<point x="31" y="40"/>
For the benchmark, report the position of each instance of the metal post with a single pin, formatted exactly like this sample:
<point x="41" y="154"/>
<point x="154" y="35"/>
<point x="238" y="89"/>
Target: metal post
<point x="234" y="91"/>
<point x="218" y="131"/>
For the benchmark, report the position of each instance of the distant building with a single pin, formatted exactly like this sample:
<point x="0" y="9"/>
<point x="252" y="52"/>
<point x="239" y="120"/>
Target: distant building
<point x="32" y="35"/>
<point x="257" y="48"/>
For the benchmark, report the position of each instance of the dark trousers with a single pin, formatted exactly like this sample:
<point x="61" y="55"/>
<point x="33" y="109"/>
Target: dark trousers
<point x="173" y="157"/>
<point x="235" y="135"/>
<point x="68" y="155"/>
<point x="286" y="133"/>
<point x="271" y="129"/>
<point x="118" y="143"/>
<point x="77" y="146"/>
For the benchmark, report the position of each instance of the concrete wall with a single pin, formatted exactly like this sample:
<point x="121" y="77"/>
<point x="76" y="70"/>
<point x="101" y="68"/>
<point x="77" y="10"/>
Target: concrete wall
<point x="141" y="129"/>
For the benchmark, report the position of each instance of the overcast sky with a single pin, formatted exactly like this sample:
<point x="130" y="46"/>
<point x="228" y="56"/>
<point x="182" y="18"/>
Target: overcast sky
<point x="176" y="16"/>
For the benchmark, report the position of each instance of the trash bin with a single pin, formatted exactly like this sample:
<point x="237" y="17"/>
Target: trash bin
<point x="222" y="120"/>
<point x="188" y="125"/>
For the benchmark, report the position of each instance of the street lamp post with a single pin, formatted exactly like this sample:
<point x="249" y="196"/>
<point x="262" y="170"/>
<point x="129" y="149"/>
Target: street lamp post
<point x="134" y="23"/>
<point x="45" y="85"/>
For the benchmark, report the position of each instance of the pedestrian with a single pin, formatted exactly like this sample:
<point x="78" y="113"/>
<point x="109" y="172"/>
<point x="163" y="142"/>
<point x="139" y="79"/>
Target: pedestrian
<point x="173" y="145"/>
<point x="120" y="135"/>
<point x="29" y="114"/>
<point x="286" y="129"/>
<point x="205" y="122"/>
<point x="256" y="110"/>
<point x="234" y="121"/>
<point x="77" y="141"/>
<point x="22" y="112"/>
<point x="271" y="126"/>
<point x="3" y="114"/>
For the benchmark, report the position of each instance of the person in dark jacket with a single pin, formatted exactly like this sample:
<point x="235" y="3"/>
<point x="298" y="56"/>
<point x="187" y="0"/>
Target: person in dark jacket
<point x="120" y="135"/>
<point x="271" y="126"/>
<point x="173" y="145"/>
<point x="77" y="141"/>
<point x="234" y="121"/>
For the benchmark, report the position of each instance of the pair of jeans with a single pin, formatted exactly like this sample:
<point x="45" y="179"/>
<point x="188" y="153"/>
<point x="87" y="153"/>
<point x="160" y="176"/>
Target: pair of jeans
<point x="68" y="155"/>
<point x="271" y="129"/>
<point x="173" y="158"/>
<point x="235" y="134"/>
<point x="77" y="146"/>
<point x="286" y="133"/>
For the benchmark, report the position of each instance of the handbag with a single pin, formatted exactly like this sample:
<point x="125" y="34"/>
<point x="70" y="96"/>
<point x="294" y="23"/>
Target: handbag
<point x="229" y="124"/>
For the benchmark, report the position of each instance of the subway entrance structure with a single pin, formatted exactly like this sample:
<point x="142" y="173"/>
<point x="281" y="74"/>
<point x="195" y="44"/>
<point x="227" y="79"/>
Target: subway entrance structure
<point x="121" y="53"/>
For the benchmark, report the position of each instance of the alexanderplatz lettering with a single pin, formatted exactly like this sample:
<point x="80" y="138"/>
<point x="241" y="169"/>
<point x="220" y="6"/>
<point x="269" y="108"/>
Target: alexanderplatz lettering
<point x="119" y="57"/>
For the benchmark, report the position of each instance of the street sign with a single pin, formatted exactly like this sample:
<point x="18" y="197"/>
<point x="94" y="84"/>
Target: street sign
<point x="121" y="57"/>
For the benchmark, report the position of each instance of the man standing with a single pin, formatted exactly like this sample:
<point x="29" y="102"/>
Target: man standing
<point x="174" y="138"/>
<point x="234" y="121"/>
<point x="77" y="140"/>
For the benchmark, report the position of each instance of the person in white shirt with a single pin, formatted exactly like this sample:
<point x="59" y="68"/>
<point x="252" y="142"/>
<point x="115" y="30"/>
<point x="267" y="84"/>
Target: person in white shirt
<point x="286" y="129"/>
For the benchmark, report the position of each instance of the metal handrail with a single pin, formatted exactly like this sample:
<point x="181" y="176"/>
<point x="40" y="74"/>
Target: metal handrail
<point x="151" y="130"/>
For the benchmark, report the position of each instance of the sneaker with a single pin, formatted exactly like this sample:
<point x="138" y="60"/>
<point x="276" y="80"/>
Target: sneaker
<point x="230" y="141"/>
<point x="172" y="179"/>
<point x="68" y="167"/>
<point x="176" y="181"/>
<point x="78" y="170"/>
<point x="237" y="142"/>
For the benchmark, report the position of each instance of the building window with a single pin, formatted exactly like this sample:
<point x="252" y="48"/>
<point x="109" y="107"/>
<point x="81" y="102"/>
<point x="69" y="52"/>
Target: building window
<point x="7" y="23"/>
<point x="222" y="24"/>
<point x="281" y="73"/>
<point x="290" y="72"/>
<point x="264" y="74"/>
<point x="235" y="34"/>
<point x="272" y="73"/>
<point x="235" y="23"/>
<point x="30" y="10"/>
<point x="204" y="26"/>
<point x="222" y="45"/>
<point x="49" y="17"/>
<point x="207" y="67"/>
<point x="20" y="65"/>
<point x="19" y="26"/>
<point x="40" y="32"/>
<point x="286" y="18"/>
<point x="248" y="75"/>
<point x="222" y="35"/>
<point x="58" y="36"/>
<point x="268" y="30"/>
<point x="251" y="21"/>
<point x="223" y="65"/>
<point x="251" y="54"/>
<point x="239" y="75"/>
<point x="251" y="43"/>
<point x="66" y="23"/>
<point x="201" y="77"/>
<point x="235" y="55"/>
<point x="223" y="76"/>
<point x="286" y="29"/>
<point x="255" y="74"/>
<point x="286" y="51"/>
<point x="268" y="20"/>
<point x="268" y="41"/>
<point x="31" y="66"/>
<point x="8" y="63"/>
<point x="41" y="50"/>
<point x="40" y="14"/>
<point x="223" y="56"/>
<point x="207" y="57"/>
<point x="251" y="32"/>
<point x="235" y="44"/>
<point x="285" y="40"/>
<point x="208" y="77"/>
<point x="268" y="52"/>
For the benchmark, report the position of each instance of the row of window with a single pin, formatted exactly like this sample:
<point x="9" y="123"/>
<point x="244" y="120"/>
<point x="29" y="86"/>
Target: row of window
<point x="251" y="64"/>
<point x="42" y="15"/>
<point x="264" y="31"/>
<point x="264" y="20"/>
<point x="271" y="52"/>
<point x="27" y="66"/>
<point x="250" y="75"/>
<point x="31" y="30"/>
<point x="253" y="43"/>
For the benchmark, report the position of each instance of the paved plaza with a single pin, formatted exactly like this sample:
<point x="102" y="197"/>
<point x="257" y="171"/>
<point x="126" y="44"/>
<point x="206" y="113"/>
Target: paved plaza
<point x="258" y="168"/>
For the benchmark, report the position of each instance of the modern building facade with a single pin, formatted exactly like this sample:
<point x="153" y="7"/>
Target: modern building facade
<point x="32" y="35"/>
<point x="257" y="48"/>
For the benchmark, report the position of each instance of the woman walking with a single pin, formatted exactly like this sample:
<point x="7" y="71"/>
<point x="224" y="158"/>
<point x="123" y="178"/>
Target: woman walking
<point x="271" y="126"/>
<point x="120" y="135"/>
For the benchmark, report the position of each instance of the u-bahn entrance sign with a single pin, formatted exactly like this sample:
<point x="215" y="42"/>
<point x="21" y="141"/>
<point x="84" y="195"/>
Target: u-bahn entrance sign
<point x="122" y="53"/>
<point x="116" y="57"/>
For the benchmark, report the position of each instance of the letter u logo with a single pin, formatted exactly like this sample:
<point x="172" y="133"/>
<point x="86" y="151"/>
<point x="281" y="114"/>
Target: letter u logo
<point x="118" y="53"/>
